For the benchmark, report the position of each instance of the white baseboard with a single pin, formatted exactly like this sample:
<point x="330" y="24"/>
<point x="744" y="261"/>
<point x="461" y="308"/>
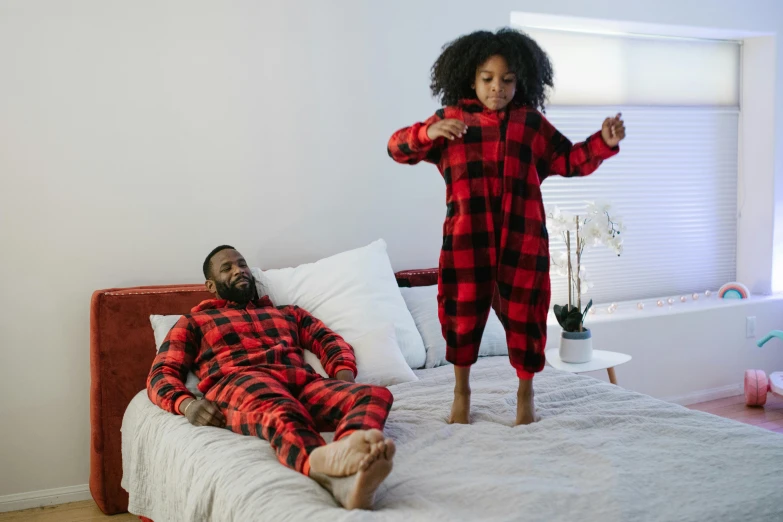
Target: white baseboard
<point x="707" y="395"/>
<point x="44" y="497"/>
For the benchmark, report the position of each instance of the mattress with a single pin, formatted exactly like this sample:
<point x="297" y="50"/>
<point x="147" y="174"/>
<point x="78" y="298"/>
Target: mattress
<point x="599" y="453"/>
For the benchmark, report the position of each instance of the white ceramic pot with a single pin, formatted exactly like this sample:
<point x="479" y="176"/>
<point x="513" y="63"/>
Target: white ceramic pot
<point x="576" y="347"/>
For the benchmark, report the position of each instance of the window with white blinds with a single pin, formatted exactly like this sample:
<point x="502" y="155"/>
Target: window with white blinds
<point x="675" y="182"/>
<point x="596" y="69"/>
<point x="675" y="186"/>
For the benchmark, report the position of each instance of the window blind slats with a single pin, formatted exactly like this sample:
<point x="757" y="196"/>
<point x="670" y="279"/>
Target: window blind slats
<point x="675" y="186"/>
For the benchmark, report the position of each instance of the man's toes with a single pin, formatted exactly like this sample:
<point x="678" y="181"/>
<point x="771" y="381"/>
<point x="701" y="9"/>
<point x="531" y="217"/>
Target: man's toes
<point x="377" y="451"/>
<point x="365" y="463"/>
<point x="389" y="449"/>
<point x="373" y="436"/>
<point x="381" y="447"/>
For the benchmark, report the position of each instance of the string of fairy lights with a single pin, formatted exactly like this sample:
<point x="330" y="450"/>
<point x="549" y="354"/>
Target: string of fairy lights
<point x="660" y="303"/>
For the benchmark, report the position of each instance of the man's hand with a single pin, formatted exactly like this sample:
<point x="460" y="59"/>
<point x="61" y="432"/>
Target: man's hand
<point x="449" y="129"/>
<point x="202" y="413"/>
<point x="345" y="375"/>
<point x="613" y="130"/>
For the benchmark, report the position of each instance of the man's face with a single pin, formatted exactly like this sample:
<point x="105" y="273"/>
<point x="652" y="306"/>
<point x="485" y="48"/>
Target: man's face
<point x="231" y="278"/>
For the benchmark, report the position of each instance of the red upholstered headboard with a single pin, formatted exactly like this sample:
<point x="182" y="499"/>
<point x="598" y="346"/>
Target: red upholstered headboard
<point x="122" y="348"/>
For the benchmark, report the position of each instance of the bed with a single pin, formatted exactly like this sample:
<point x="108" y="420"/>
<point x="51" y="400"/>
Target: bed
<point x="599" y="452"/>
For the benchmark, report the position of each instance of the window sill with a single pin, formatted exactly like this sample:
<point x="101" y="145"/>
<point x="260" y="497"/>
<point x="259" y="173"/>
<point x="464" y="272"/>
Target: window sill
<point x="628" y="309"/>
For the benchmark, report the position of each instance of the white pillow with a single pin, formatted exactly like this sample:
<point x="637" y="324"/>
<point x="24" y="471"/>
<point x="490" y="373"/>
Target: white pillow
<point x="353" y="293"/>
<point x="422" y="302"/>
<point x="161" y="326"/>
<point x="378" y="359"/>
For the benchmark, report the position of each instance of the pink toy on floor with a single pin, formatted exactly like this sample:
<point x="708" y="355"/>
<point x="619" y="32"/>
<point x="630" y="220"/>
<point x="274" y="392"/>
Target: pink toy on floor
<point x="756" y="382"/>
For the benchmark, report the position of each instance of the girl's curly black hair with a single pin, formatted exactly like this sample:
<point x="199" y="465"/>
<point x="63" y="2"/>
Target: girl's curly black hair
<point x="455" y="69"/>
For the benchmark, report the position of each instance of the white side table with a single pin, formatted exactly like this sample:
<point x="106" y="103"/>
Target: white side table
<point x="602" y="360"/>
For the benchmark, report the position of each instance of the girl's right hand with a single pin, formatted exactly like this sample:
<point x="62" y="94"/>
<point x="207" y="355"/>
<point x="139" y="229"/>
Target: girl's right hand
<point x="449" y="129"/>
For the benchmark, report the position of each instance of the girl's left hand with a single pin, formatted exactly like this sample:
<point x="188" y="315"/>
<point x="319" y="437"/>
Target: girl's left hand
<point x="613" y="130"/>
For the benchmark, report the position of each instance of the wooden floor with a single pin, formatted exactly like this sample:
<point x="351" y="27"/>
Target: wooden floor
<point x="769" y="417"/>
<point x="85" y="511"/>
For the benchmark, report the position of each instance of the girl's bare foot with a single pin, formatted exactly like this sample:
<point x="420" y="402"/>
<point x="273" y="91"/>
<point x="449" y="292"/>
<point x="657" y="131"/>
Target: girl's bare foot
<point x="526" y="409"/>
<point x="358" y="491"/>
<point x="526" y="412"/>
<point x="460" y="408"/>
<point x="346" y="456"/>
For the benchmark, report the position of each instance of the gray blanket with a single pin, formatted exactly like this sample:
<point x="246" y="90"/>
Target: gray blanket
<point x="600" y="453"/>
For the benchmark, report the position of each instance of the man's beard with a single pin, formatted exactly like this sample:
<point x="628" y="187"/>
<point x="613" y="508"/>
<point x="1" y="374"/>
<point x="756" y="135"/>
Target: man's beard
<point x="236" y="294"/>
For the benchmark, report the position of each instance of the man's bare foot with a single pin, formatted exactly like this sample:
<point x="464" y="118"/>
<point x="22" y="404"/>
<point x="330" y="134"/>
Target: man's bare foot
<point x="346" y="456"/>
<point x="358" y="490"/>
<point x="460" y="408"/>
<point x="526" y="409"/>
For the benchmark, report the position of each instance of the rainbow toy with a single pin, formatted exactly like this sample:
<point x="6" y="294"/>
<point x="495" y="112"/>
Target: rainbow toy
<point x="734" y="291"/>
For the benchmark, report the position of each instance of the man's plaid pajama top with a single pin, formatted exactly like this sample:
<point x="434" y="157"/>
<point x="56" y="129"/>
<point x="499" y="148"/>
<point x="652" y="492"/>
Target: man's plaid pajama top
<point x="250" y="363"/>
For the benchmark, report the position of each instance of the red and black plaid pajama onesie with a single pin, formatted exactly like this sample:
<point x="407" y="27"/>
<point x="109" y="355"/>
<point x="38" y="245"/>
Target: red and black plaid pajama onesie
<point x="250" y="363"/>
<point x="495" y="230"/>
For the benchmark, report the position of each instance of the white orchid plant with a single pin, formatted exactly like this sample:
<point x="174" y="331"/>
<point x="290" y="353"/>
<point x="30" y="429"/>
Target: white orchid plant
<point x="596" y="226"/>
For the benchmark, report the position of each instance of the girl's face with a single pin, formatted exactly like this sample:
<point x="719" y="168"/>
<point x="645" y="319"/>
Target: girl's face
<point x="495" y="85"/>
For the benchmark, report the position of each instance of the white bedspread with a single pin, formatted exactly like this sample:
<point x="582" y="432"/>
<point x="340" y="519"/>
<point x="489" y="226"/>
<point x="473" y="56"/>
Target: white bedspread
<point x="600" y="453"/>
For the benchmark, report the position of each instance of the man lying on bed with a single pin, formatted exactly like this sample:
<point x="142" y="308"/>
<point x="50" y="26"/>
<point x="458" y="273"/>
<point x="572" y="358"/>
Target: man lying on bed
<point x="248" y="356"/>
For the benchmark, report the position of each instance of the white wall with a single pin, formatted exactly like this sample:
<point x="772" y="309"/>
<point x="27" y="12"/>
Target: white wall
<point x="135" y="136"/>
<point x="756" y="202"/>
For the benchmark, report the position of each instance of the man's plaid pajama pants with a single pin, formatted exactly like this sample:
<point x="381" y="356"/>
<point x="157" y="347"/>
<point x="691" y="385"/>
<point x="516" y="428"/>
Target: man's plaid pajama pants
<point x="290" y="406"/>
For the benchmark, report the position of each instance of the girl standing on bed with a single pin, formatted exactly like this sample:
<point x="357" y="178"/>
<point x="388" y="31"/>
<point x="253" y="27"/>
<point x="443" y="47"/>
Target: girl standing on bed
<point x="494" y="148"/>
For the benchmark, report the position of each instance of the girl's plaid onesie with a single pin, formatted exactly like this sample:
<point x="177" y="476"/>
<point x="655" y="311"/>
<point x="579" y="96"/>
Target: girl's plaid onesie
<point x="495" y="232"/>
<point x="250" y="363"/>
